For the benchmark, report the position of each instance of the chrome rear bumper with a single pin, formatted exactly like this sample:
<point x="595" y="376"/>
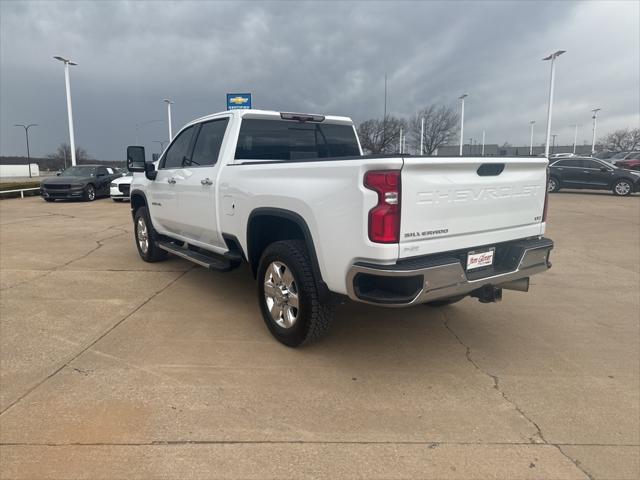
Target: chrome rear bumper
<point x="434" y="277"/>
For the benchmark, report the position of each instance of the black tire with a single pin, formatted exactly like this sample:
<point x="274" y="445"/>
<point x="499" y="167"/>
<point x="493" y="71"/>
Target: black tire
<point x="89" y="193"/>
<point x="445" y="301"/>
<point x="312" y="316"/>
<point x="622" y="188"/>
<point x="153" y="253"/>
<point x="48" y="199"/>
<point x="553" y="185"/>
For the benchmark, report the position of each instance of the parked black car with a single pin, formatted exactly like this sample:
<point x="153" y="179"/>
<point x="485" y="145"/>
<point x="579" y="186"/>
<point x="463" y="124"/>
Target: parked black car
<point x="81" y="181"/>
<point x="593" y="174"/>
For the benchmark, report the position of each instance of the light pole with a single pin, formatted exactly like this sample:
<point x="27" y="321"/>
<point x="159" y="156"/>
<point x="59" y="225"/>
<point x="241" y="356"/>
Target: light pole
<point x="532" y="123"/>
<point x="461" y="98"/>
<point x="595" y="123"/>
<point x="26" y="134"/>
<point x="422" y="137"/>
<point x="553" y="145"/>
<point x="482" y="143"/>
<point x="575" y="137"/>
<point x="72" y="140"/>
<point x="551" y="57"/>
<point x="169" y="103"/>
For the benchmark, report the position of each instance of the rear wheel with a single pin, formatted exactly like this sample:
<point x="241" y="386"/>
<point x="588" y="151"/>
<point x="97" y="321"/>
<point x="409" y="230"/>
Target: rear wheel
<point x="445" y="301"/>
<point x="553" y="185"/>
<point x="89" y="193"/>
<point x="146" y="237"/>
<point x="622" y="188"/>
<point x="288" y="295"/>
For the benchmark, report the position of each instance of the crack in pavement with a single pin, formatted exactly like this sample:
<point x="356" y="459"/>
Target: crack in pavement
<point x="100" y="244"/>
<point x="92" y="343"/>
<point x="496" y="386"/>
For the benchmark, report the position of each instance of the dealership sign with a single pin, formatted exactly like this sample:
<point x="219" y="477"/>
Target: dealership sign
<point x="238" y="100"/>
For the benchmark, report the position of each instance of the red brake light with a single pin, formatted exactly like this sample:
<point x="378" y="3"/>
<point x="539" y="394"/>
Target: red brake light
<point x="384" y="218"/>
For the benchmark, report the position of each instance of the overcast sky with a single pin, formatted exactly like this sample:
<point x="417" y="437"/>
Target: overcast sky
<point x="321" y="57"/>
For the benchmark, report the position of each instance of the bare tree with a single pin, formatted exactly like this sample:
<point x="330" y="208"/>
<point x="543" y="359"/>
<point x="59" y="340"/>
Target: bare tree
<point x="62" y="155"/>
<point x="380" y="136"/>
<point x="440" y="124"/>
<point x="621" y="140"/>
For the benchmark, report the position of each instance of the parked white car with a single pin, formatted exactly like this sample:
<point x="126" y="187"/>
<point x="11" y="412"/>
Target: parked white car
<point x="120" y="188"/>
<point x="320" y="223"/>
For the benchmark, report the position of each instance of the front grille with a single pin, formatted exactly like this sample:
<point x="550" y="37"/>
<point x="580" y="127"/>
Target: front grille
<point x="57" y="186"/>
<point x="124" y="188"/>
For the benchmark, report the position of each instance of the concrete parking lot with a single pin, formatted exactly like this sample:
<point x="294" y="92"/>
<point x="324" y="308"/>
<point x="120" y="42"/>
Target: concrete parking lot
<point x="114" y="368"/>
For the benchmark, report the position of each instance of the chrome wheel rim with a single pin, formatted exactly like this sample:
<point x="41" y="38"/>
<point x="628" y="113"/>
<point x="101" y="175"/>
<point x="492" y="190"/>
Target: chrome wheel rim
<point x="142" y="235"/>
<point x="623" y="188"/>
<point x="281" y="295"/>
<point x="551" y="186"/>
<point x="91" y="193"/>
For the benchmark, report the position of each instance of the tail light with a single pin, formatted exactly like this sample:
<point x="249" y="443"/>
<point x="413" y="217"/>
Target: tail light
<point x="384" y="218"/>
<point x="546" y="198"/>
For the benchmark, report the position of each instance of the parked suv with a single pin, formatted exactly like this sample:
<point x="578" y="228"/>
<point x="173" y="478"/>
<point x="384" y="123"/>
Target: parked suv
<point x="592" y="173"/>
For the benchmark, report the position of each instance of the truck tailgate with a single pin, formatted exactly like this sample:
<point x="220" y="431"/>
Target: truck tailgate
<point x="454" y="203"/>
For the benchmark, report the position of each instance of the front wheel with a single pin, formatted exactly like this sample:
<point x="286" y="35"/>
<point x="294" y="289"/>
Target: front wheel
<point x="622" y="188"/>
<point x="288" y="295"/>
<point x="146" y="237"/>
<point x="89" y="193"/>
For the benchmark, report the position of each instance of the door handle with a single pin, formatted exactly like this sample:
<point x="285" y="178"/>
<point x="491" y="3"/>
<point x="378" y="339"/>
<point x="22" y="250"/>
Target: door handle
<point x="206" y="181"/>
<point x="171" y="180"/>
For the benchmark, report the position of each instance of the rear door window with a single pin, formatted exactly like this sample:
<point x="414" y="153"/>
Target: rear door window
<point x="291" y="140"/>
<point x="592" y="164"/>
<point x="569" y="163"/>
<point x="208" y="143"/>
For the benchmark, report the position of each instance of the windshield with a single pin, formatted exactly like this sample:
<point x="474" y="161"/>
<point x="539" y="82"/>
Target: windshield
<point x="79" y="171"/>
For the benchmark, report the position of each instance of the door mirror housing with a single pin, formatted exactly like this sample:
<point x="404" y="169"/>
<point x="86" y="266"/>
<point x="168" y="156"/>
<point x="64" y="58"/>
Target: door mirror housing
<point x="150" y="171"/>
<point x="136" y="159"/>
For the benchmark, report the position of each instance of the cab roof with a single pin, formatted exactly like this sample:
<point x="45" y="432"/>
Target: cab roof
<point x="271" y="114"/>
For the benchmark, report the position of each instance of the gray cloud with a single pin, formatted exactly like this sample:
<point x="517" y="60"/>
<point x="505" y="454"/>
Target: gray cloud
<point x="326" y="57"/>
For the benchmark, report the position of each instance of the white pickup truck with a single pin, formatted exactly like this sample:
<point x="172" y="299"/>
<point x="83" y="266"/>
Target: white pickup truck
<point x="319" y="222"/>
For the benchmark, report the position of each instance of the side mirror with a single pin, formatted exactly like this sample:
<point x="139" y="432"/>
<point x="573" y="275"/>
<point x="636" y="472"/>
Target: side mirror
<point x="135" y="159"/>
<point x="150" y="171"/>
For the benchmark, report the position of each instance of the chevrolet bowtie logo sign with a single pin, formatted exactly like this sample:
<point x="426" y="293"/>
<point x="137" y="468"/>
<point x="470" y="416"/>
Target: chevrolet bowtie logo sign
<point x="238" y="100"/>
